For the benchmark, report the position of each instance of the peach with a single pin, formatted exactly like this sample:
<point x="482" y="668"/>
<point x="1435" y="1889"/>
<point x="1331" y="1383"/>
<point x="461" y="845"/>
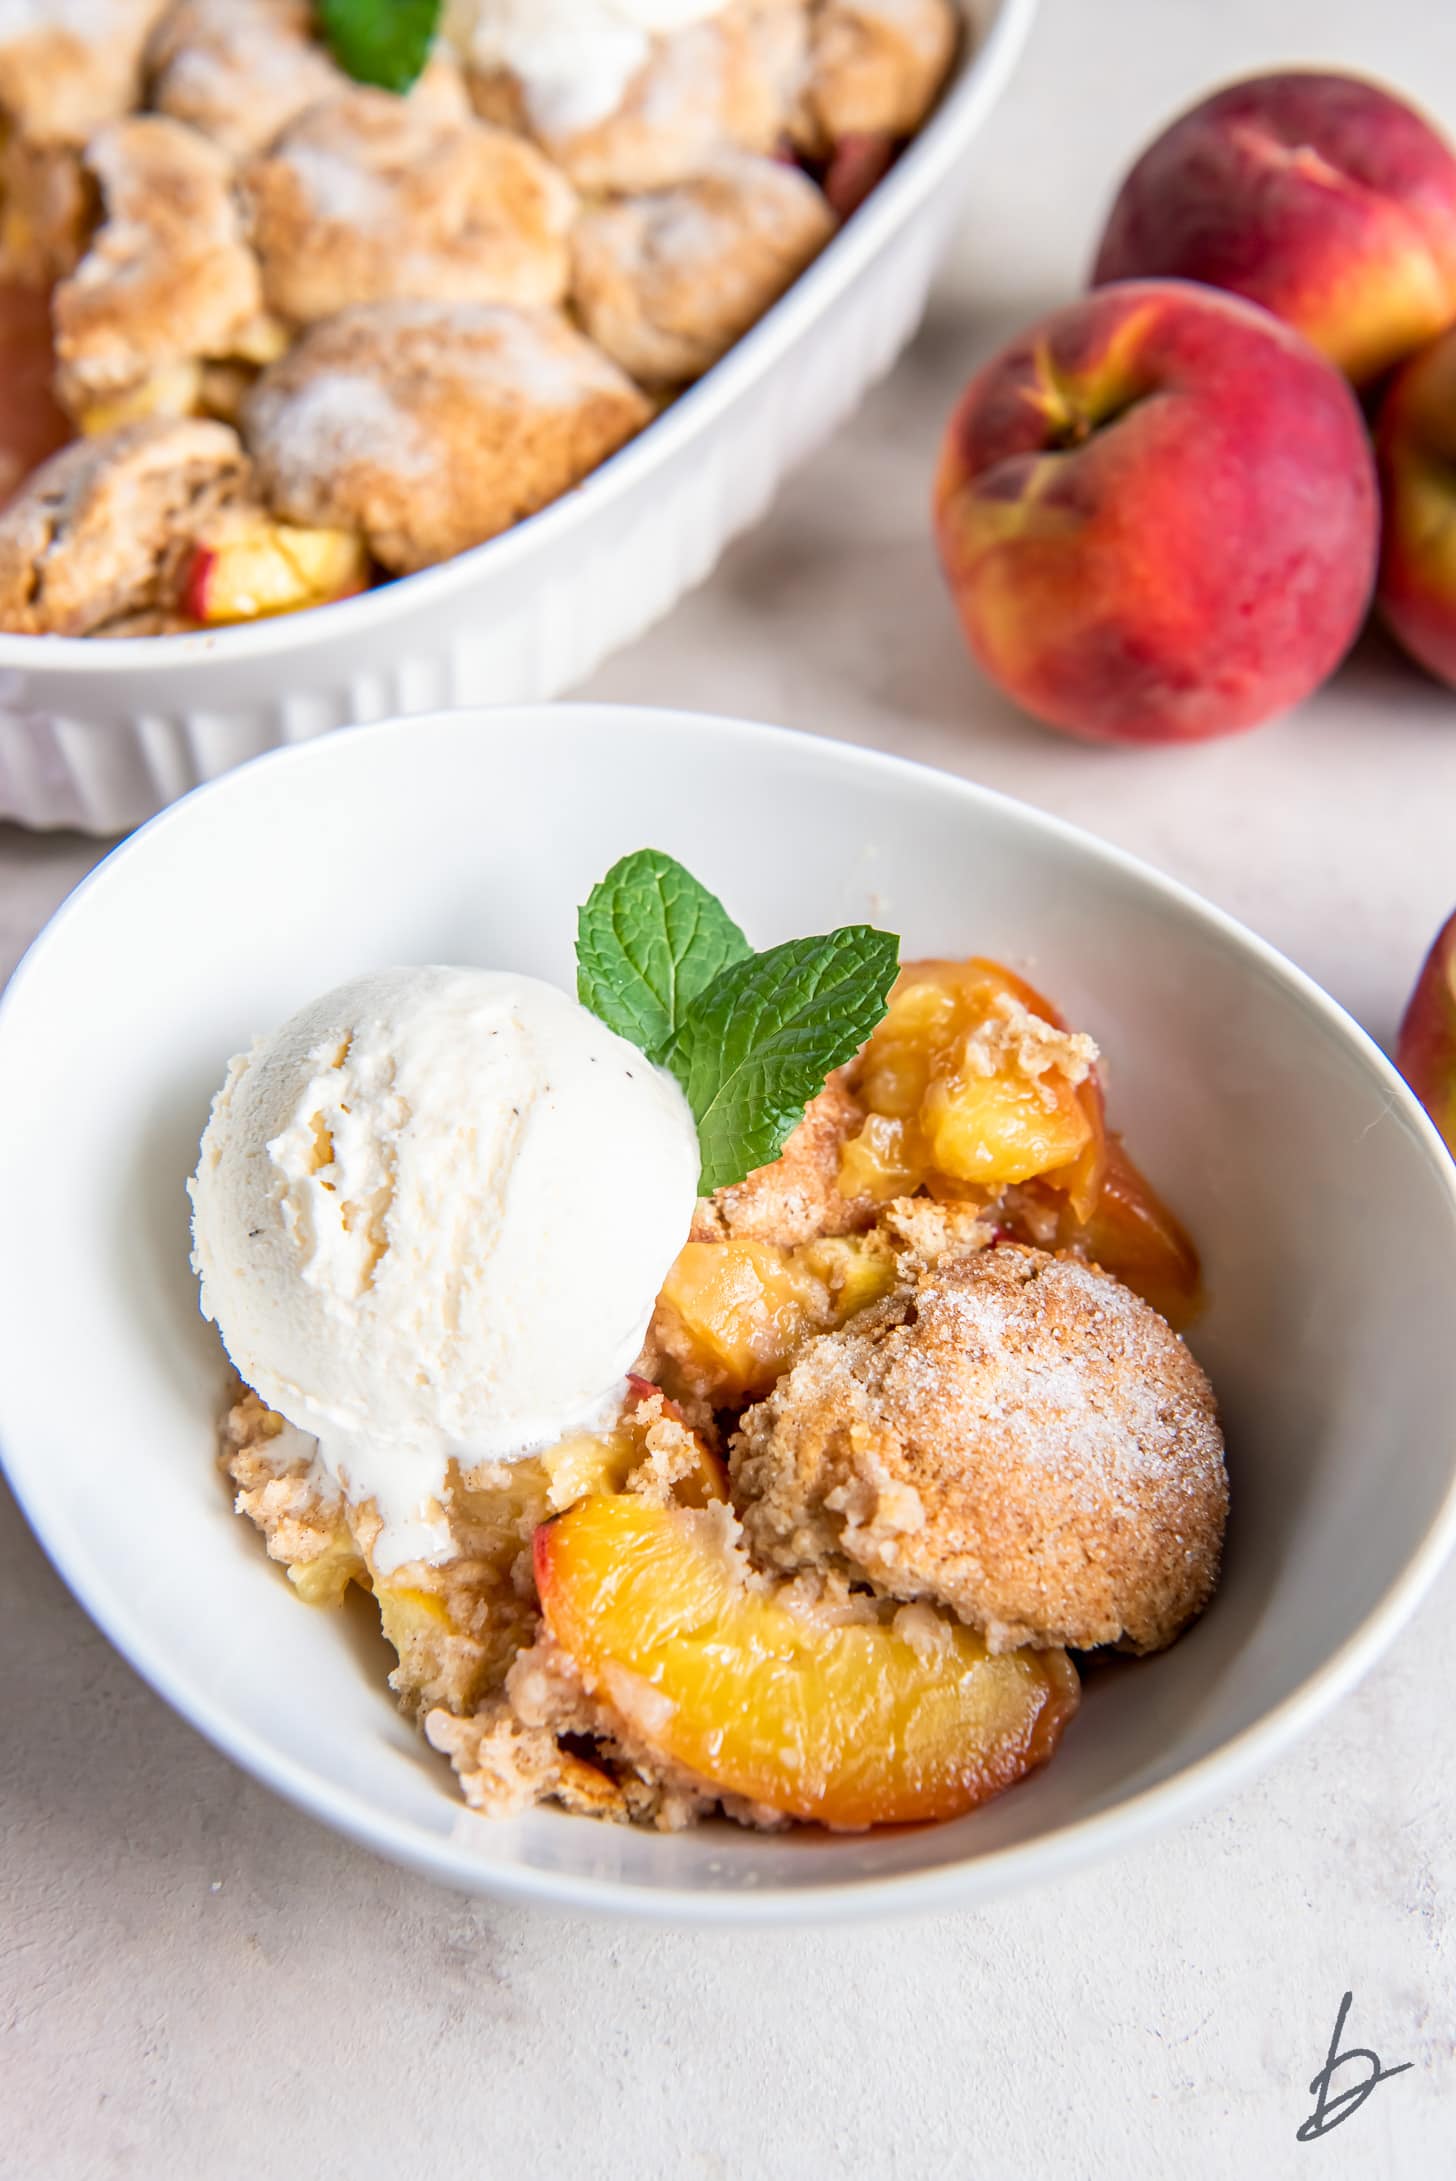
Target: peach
<point x="173" y="391"/>
<point x="1425" y="1051"/>
<point x="1157" y="514"/>
<point x="857" y="165"/>
<point x="896" y="1718"/>
<point x="943" y="1105"/>
<point x="1415" y="441"/>
<point x="735" y="1312"/>
<point x="1323" y="197"/>
<point x="1131" y="1233"/>
<point x="249" y="567"/>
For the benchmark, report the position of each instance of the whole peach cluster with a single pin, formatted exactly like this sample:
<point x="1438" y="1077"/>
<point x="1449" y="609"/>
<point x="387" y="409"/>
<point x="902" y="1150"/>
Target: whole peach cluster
<point x="1162" y="512"/>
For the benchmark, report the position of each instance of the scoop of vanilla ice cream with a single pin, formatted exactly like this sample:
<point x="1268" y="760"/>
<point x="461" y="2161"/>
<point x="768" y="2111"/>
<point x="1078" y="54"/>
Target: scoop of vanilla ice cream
<point x="573" y="58"/>
<point x="430" y="1218"/>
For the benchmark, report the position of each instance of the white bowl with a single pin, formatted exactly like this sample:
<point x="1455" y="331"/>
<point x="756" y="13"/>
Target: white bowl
<point x="99" y="734"/>
<point x="1323" y="1201"/>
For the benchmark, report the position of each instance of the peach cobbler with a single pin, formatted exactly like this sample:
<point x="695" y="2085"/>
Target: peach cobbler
<point x="298" y="296"/>
<point x="741" y="1387"/>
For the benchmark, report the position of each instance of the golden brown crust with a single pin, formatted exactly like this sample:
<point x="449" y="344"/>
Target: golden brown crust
<point x="667" y="282"/>
<point x="238" y="70"/>
<point x="1014" y="1435"/>
<point x="98" y="532"/>
<point x="368" y="197"/>
<point x="430" y="427"/>
<point x="727" y="83"/>
<point x="169" y="276"/>
<point x="797" y="1198"/>
<point x="241" y="70"/>
<point x="282" y="1491"/>
<point x="47" y="211"/>
<point x="64" y="71"/>
<point x="874" y="69"/>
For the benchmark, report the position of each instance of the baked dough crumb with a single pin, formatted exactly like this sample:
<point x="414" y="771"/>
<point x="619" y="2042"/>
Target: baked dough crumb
<point x="1012" y="1435"/>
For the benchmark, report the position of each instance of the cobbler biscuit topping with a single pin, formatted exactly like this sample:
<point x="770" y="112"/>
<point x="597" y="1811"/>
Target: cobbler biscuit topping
<point x="431" y="426"/>
<point x="201" y="190"/>
<point x="368" y="198"/>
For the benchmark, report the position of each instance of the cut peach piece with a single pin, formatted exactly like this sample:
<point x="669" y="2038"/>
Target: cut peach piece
<point x="736" y="1311"/>
<point x="250" y="568"/>
<point x="998" y="1129"/>
<point x="950" y="1099"/>
<point x="1128" y="1231"/>
<point x="325" y="1578"/>
<point x="173" y="391"/>
<point x="858" y="163"/>
<point x="1132" y="1234"/>
<point x="846" y="1725"/>
<point x="589" y="1461"/>
<point x="597" y="1462"/>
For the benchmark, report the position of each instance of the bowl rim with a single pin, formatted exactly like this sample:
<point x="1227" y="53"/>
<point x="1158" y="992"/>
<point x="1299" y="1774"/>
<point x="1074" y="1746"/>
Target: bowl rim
<point x="979" y="78"/>
<point x="994" y="1873"/>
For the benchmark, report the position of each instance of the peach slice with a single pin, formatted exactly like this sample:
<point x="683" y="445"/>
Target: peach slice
<point x="898" y="1719"/>
<point x="601" y="1462"/>
<point x="249" y="567"/>
<point x="1130" y="1232"/>
<point x="172" y="391"/>
<point x="734" y="1312"/>
<point x="947" y="1101"/>
<point x="858" y="164"/>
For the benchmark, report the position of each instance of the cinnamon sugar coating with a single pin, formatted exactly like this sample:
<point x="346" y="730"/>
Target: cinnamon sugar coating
<point x="724" y="84"/>
<point x="430" y="427"/>
<point x="239" y="69"/>
<point x="367" y="197"/>
<point x="65" y="71"/>
<point x="168" y="277"/>
<point x="1014" y="1435"/>
<point x="667" y="282"/>
<point x="874" y="68"/>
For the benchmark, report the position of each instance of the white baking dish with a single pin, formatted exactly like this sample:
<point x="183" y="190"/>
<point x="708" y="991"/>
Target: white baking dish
<point x="101" y="733"/>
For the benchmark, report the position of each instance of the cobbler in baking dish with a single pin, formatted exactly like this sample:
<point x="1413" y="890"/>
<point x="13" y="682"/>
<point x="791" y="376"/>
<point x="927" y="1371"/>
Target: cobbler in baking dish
<point x="305" y="333"/>
<point x="741" y="1389"/>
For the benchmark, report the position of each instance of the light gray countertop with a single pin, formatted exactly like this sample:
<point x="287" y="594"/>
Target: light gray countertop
<point x="197" y="1981"/>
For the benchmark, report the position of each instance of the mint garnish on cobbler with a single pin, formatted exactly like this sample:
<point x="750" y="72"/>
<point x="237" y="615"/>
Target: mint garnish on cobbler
<point x="749" y="1037"/>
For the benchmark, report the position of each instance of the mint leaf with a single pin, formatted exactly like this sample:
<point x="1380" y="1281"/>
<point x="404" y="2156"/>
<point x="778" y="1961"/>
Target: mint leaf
<point x="755" y="1047"/>
<point x="385" y="42"/>
<point x="650" y="939"/>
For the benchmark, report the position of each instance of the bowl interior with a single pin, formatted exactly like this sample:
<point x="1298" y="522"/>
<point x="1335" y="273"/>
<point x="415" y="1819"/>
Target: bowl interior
<point x="1322" y="1202"/>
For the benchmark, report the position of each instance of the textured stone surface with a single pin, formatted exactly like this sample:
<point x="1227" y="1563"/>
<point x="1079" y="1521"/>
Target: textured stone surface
<point x="196" y="1981"/>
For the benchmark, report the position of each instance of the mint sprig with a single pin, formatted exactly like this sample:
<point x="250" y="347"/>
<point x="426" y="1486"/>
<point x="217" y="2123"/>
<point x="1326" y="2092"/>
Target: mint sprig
<point x="756" y="1047"/>
<point x="649" y="939"/>
<point x="383" y="42"/>
<point x="750" y="1037"/>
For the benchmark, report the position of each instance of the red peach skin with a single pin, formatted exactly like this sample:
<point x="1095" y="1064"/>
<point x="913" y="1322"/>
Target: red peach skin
<point x="1157" y="514"/>
<point x="857" y="165"/>
<point x="1323" y="197"/>
<point x="1425" y="1051"/>
<point x="1415" y="442"/>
